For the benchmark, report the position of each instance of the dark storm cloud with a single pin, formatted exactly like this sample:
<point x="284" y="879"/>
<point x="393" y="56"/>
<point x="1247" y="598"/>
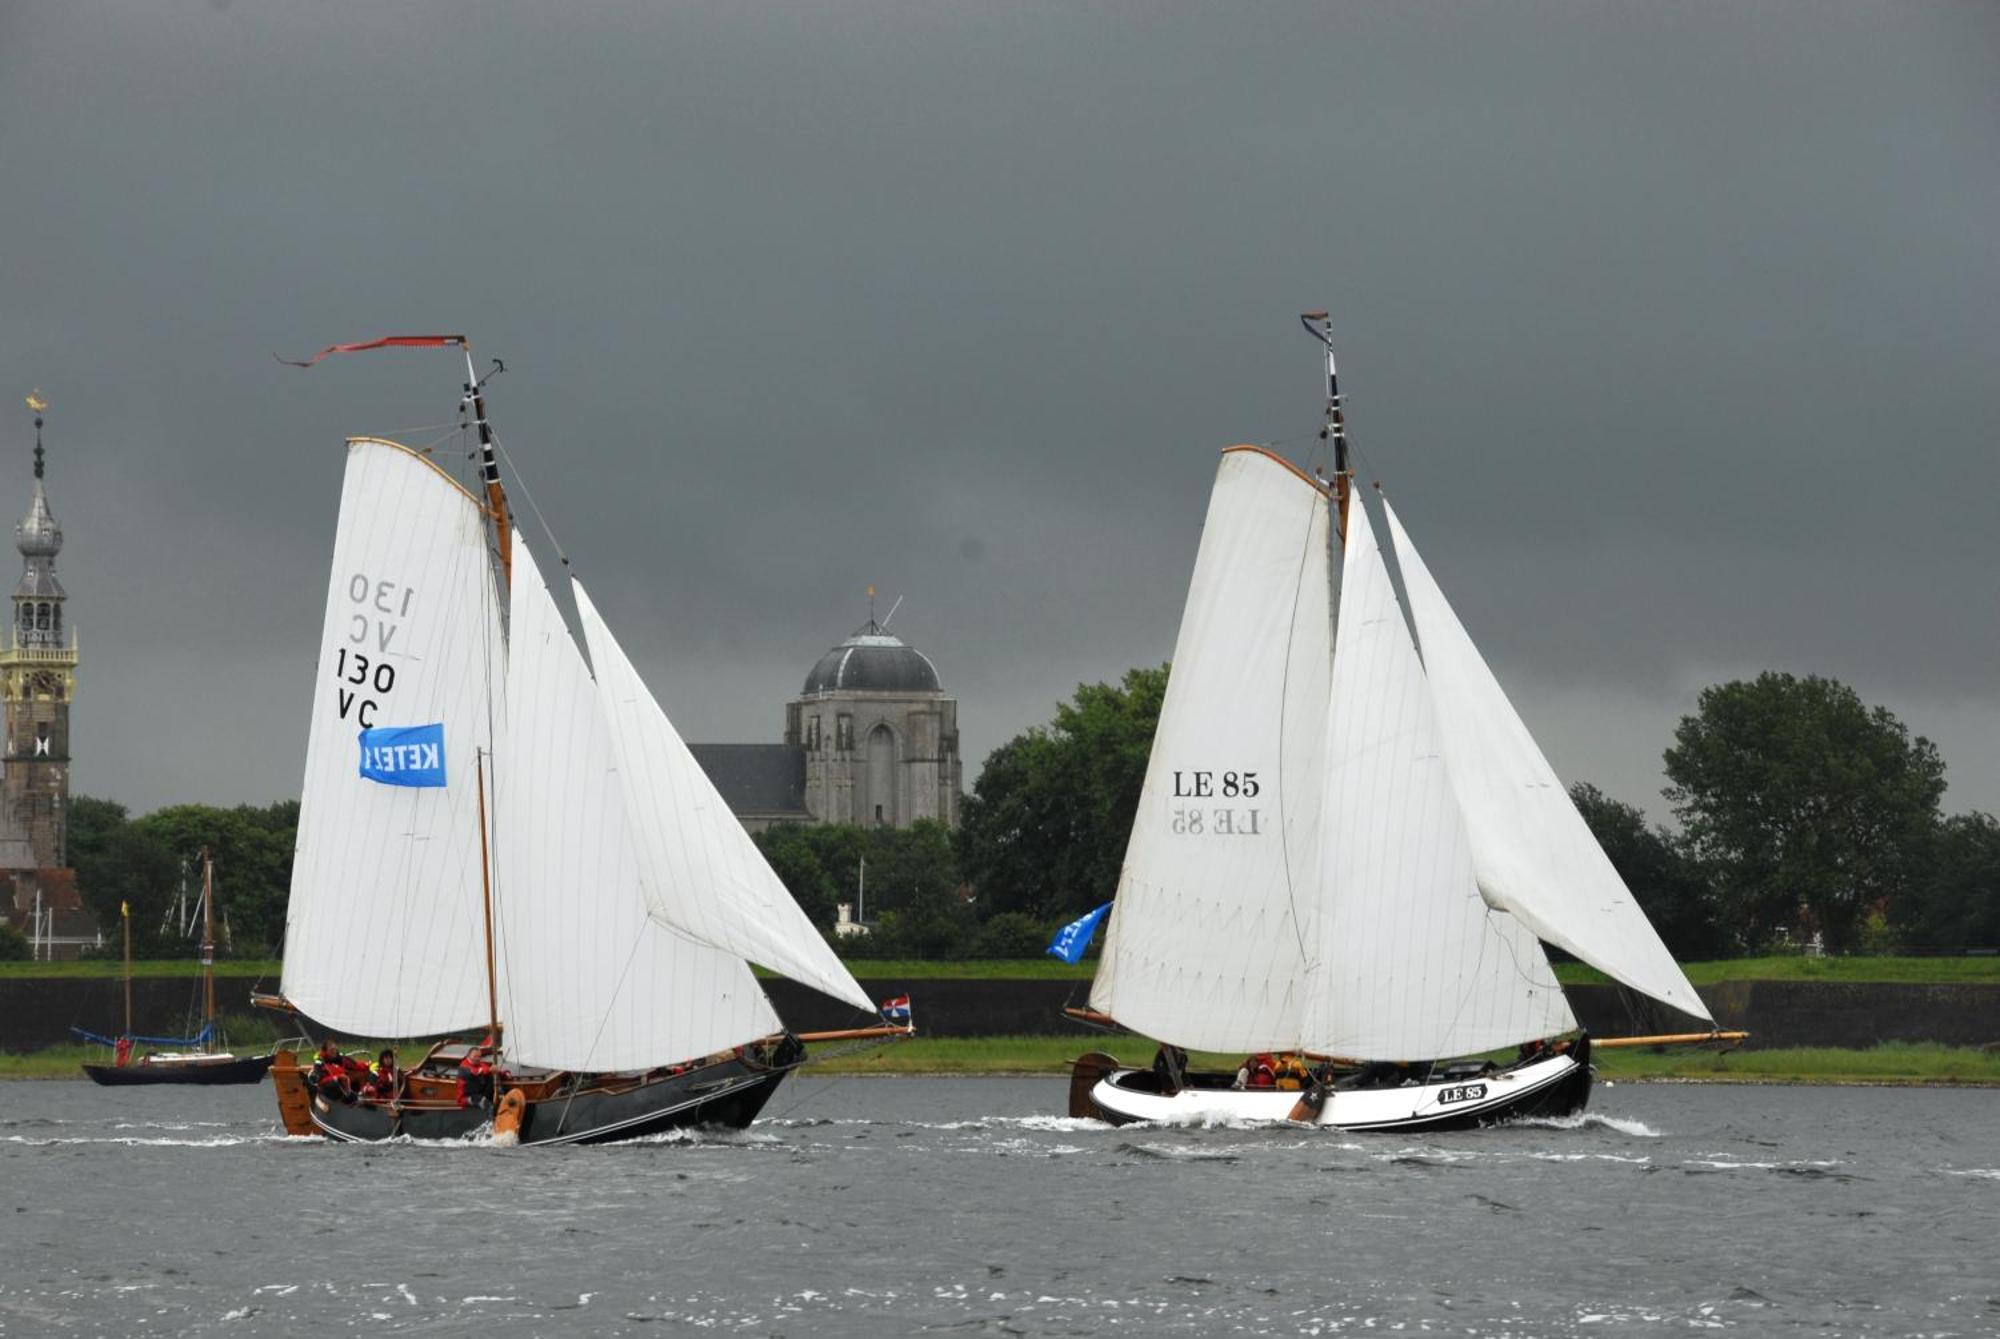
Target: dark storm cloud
<point x="1671" y="331"/>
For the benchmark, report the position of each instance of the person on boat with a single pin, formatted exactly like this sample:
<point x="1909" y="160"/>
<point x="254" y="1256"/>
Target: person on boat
<point x="383" y="1078"/>
<point x="1259" y="1071"/>
<point x="475" y="1076"/>
<point x="1290" y="1073"/>
<point x="329" y="1075"/>
<point x="1170" y="1068"/>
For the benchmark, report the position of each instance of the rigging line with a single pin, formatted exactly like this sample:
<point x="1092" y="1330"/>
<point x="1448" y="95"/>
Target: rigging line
<point x="1451" y="1028"/>
<point x="533" y="505"/>
<point x="397" y="434"/>
<point x="1520" y="971"/>
<point x="1284" y="700"/>
<point x="604" y="1022"/>
<point x="430" y="445"/>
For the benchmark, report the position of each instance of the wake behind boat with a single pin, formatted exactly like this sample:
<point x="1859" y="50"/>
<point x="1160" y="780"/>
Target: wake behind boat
<point x="1348" y="855"/>
<point x="496" y="837"/>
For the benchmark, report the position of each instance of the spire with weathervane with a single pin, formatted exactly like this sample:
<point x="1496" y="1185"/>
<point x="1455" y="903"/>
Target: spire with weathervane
<point x="38" y="670"/>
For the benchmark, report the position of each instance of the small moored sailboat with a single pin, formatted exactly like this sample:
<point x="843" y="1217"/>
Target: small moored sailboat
<point x="1346" y="850"/>
<point x="203" y="1062"/>
<point x="496" y="836"/>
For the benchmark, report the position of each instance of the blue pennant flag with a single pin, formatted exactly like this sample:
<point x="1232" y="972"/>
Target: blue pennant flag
<point x="1074" y="938"/>
<point x="404" y="755"/>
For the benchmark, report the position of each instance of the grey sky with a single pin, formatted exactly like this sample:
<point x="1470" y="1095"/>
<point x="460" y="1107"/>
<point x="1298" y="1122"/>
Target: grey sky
<point x="1672" y="330"/>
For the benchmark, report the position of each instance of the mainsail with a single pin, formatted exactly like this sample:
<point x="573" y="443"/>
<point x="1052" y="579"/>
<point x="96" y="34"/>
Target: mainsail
<point x="1205" y="945"/>
<point x="386" y="896"/>
<point x="1408" y="962"/>
<point x="701" y="872"/>
<point x="589" y="980"/>
<point x="1534" y="855"/>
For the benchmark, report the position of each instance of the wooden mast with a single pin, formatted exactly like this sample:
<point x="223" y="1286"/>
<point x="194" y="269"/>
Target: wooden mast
<point x="486" y="902"/>
<point x="125" y="915"/>
<point x="207" y="944"/>
<point x="1320" y="326"/>
<point x="503" y="539"/>
<point x="489" y="465"/>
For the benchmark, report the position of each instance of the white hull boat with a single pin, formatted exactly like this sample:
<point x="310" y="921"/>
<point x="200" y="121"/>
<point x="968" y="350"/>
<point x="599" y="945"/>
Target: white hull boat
<point x="1348" y="844"/>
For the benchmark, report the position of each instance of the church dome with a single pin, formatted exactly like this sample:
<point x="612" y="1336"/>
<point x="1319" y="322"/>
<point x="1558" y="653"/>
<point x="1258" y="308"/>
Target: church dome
<point x="38" y="535"/>
<point x="872" y="661"/>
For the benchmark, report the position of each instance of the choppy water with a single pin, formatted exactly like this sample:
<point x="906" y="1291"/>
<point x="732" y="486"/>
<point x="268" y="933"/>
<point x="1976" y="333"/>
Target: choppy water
<point x="914" y="1206"/>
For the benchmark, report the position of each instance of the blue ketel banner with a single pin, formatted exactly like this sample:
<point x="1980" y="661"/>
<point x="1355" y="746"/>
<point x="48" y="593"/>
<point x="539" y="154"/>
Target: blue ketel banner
<point x="1074" y="938"/>
<point x="404" y="755"/>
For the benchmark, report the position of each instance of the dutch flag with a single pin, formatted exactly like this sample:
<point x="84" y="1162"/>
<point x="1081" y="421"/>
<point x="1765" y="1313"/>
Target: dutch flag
<point x="897" y="1010"/>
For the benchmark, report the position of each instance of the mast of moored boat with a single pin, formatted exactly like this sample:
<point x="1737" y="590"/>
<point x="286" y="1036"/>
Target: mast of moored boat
<point x="125" y="915"/>
<point x="1320" y="326"/>
<point x="207" y="945"/>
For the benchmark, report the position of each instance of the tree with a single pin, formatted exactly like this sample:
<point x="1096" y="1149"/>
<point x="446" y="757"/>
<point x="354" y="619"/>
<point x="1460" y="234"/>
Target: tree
<point x="1809" y="806"/>
<point x="1957" y="903"/>
<point x="1044" y="830"/>
<point x="126" y="864"/>
<point x="795" y="858"/>
<point x="1666" y="883"/>
<point x="14" y="946"/>
<point x="1012" y="935"/>
<point x="144" y="861"/>
<point x="252" y="851"/>
<point x="912" y="884"/>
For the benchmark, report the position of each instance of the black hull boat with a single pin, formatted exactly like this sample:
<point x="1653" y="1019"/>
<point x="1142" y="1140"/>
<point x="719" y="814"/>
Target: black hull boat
<point x="203" y="1069"/>
<point x="564" y="1109"/>
<point x="1461" y="1097"/>
<point x="636" y="901"/>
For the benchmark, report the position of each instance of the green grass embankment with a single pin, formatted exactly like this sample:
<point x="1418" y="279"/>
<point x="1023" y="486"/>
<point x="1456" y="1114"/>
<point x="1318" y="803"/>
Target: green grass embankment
<point x="1917" y="971"/>
<point x="1931" y="971"/>
<point x="90" y="968"/>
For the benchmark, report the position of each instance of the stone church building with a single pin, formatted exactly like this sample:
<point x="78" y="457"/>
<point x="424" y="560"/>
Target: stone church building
<point x="38" y="894"/>
<point x="871" y="739"/>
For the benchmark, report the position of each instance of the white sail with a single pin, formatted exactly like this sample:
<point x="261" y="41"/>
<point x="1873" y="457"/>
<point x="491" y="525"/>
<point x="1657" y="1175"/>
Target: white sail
<point x="384" y="932"/>
<point x="1534" y="855"/>
<point x="1408" y="962"/>
<point x="1204" y="947"/>
<point x="702" y="873"/>
<point x="589" y="981"/>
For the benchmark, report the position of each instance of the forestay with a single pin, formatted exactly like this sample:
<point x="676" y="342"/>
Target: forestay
<point x="1408" y="962"/>
<point x="589" y="981"/>
<point x="1533" y="853"/>
<point x="1204" y="945"/>
<point x="702" y="873"/>
<point x="385" y="920"/>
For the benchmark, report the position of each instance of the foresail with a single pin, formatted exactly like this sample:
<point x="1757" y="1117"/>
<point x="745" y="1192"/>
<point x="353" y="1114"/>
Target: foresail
<point x="384" y="930"/>
<point x="1407" y="962"/>
<point x="1534" y="855"/>
<point x="702" y="873"/>
<point x="589" y="980"/>
<point x="1204" y="944"/>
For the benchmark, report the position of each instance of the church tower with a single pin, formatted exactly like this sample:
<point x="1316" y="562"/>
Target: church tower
<point x="38" y="669"/>
<point x="880" y="734"/>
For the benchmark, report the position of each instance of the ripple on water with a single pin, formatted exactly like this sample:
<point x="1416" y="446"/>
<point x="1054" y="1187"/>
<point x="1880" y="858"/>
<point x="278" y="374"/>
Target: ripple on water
<point x="1002" y="1219"/>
